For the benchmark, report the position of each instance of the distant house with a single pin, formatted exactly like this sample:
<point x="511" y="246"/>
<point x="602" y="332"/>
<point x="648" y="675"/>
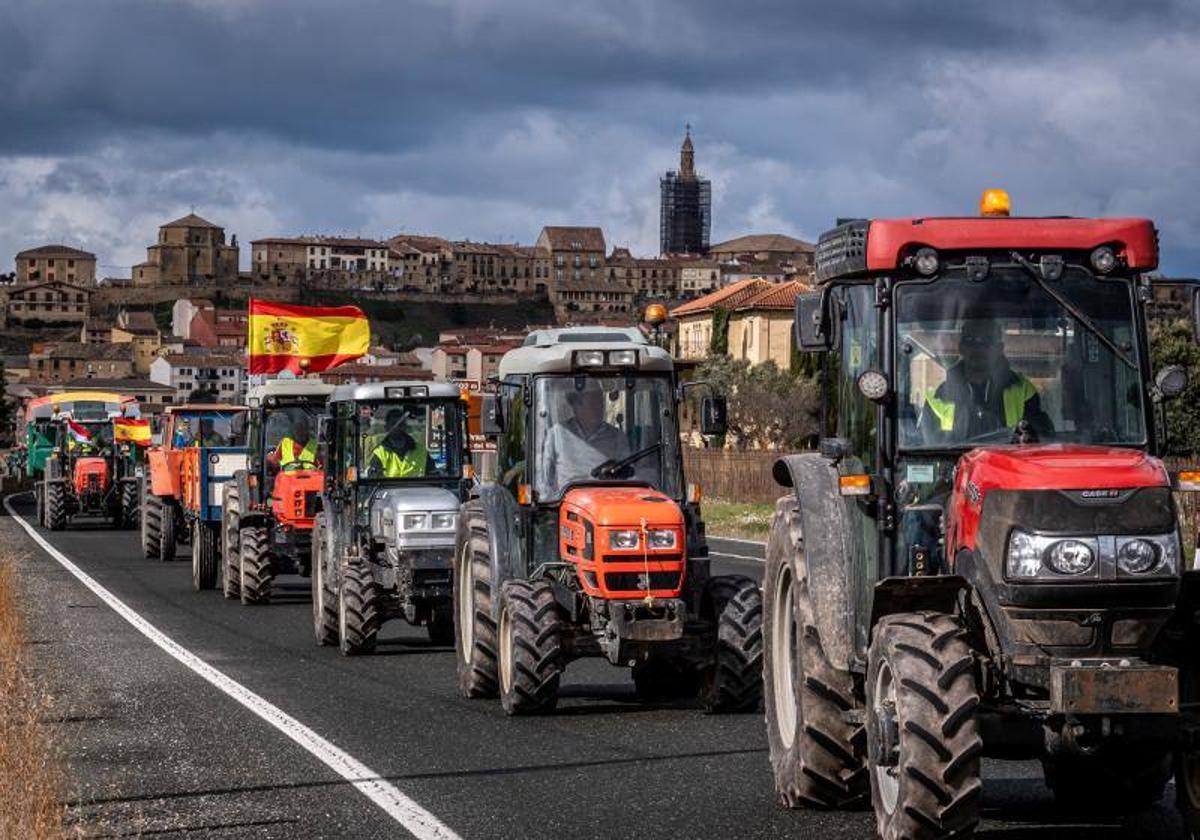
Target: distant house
<point x="222" y="374"/>
<point x="69" y="360"/>
<point x="52" y="303"/>
<point x="56" y="263"/>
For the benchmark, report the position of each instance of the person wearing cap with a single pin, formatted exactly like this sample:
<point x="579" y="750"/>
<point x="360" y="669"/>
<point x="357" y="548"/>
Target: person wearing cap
<point x="578" y="444"/>
<point x="982" y="393"/>
<point x="184" y="436"/>
<point x="299" y="448"/>
<point x="399" y="454"/>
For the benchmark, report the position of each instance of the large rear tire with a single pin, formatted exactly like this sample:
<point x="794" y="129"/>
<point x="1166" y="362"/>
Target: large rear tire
<point x="530" y="636"/>
<point x="56" y="506"/>
<point x="816" y="755"/>
<point x="205" y="539"/>
<point x="231" y="584"/>
<point x="358" y="612"/>
<point x="732" y="682"/>
<point x="324" y="597"/>
<point x="151" y="522"/>
<point x="167" y="522"/>
<point x="39" y="497"/>
<point x="131" y="513"/>
<point x="474" y="628"/>
<point x="923" y="739"/>
<point x="255" y="573"/>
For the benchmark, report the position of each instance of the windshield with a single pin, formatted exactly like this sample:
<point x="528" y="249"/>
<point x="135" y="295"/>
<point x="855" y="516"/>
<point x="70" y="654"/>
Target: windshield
<point x="586" y="425"/>
<point x="290" y="438"/>
<point x="409" y="439"/>
<point x="99" y="435"/>
<point x="975" y="359"/>
<point x="208" y="429"/>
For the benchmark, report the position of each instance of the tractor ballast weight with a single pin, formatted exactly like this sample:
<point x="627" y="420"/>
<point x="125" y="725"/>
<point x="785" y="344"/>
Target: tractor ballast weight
<point x="268" y="509"/>
<point x="383" y="545"/>
<point x="983" y="559"/>
<point x="586" y="542"/>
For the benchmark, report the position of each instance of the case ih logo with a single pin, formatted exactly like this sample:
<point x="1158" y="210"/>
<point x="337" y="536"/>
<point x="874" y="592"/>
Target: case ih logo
<point x="1099" y="494"/>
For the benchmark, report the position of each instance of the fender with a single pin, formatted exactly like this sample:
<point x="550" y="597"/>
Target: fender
<point x="505" y="548"/>
<point x="247" y="497"/>
<point x="53" y="470"/>
<point x="913" y="594"/>
<point x="827" y="548"/>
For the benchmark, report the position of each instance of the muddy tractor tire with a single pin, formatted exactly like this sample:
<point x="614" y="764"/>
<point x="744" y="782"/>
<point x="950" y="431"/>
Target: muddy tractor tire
<point x="530" y="637"/>
<point x="130" y="514"/>
<point x="39" y="498"/>
<point x="474" y="628"/>
<point x="441" y="626"/>
<point x="817" y="755"/>
<point x="358" y="611"/>
<point x="922" y="736"/>
<point x="205" y="541"/>
<point x="1116" y="782"/>
<point x="255" y="573"/>
<point x="56" y="506"/>
<point x="732" y="682"/>
<point x="151" y="522"/>
<point x="324" y="596"/>
<point x="231" y="584"/>
<point x="168" y="521"/>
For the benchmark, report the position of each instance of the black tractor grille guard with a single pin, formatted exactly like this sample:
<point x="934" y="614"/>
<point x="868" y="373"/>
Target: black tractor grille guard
<point x="842" y="252"/>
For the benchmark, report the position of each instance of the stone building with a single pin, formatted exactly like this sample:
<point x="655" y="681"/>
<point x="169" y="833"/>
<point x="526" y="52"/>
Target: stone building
<point x="685" y="215"/>
<point x="571" y="254"/>
<point x="140" y="330"/>
<point x="772" y="255"/>
<point x="696" y="318"/>
<point x="49" y="304"/>
<point x="325" y="261"/>
<point x="219" y="373"/>
<point x="69" y="360"/>
<point x="50" y="263"/>
<point x="188" y="250"/>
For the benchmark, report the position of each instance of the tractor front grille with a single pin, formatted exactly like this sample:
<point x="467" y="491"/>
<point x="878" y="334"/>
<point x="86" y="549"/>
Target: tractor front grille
<point x="636" y="581"/>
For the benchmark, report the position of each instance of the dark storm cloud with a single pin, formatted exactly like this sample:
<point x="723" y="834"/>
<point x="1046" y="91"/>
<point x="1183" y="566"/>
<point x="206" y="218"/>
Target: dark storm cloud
<point x="488" y="119"/>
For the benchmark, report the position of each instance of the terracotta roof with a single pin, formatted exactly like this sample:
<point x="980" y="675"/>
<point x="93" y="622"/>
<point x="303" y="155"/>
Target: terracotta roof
<point x="574" y="238"/>
<point x="775" y="296"/>
<point x="730" y="297"/>
<point x="56" y="251"/>
<point x="191" y="220"/>
<point x="425" y="244"/>
<point x="762" y="242"/>
<point x="137" y="321"/>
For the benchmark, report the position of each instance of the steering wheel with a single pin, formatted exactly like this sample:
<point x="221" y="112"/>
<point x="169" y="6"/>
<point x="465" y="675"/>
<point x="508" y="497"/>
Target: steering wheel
<point x="300" y="464"/>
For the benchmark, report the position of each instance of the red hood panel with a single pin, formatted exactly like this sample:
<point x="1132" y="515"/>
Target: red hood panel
<point x="1061" y="467"/>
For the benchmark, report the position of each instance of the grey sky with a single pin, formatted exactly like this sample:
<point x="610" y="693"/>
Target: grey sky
<point x="486" y="119"/>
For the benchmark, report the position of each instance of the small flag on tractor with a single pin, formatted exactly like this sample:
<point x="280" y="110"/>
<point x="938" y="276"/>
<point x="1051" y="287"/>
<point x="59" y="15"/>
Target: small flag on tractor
<point x="78" y="431"/>
<point x="304" y="339"/>
<point x="131" y="430"/>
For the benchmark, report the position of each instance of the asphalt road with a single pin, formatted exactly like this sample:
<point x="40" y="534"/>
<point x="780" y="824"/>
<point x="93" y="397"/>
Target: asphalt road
<point x="155" y="750"/>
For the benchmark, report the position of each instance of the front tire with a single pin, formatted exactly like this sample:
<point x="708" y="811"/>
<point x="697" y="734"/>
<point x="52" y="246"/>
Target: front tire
<point x="231" y="583"/>
<point x="530" y="636"/>
<point x="56" y="506"/>
<point x="324" y="598"/>
<point x="151" y="522"/>
<point x="130" y="514"/>
<point x="732" y="682"/>
<point x="816" y="755"/>
<point x="358" y="612"/>
<point x="474" y="629"/>
<point x="166" y="533"/>
<point x="39" y="496"/>
<point x="255" y="575"/>
<point x="205" y="539"/>
<point x="923" y="739"/>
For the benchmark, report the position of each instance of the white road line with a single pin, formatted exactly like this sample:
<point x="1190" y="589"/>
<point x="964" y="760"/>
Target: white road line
<point x="759" y="543"/>
<point x="419" y="822"/>
<point x="712" y="553"/>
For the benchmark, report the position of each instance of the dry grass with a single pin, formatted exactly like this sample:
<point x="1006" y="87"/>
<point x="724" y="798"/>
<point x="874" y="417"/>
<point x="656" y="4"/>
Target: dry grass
<point x="30" y="773"/>
<point x="748" y="520"/>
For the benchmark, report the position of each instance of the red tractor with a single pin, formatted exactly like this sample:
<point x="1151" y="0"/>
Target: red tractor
<point x="88" y="472"/>
<point x="983" y="559"/>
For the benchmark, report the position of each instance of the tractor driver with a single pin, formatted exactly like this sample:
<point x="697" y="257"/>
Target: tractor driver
<point x="576" y="446"/>
<point x="399" y="454"/>
<point x="298" y="448"/>
<point x="982" y="393"/>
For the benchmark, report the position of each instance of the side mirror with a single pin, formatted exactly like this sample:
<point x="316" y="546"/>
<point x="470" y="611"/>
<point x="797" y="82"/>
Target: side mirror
<point x="1170" y="382"/>
<point x="237" y="424"/>
<point x="491" y="423"/>
<point x="325" y="429"/>
<point x="714" y="418"/>
<point x="813" y="326"/>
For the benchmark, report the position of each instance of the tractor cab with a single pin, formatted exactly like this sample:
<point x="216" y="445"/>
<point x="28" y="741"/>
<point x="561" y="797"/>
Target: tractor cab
<point x="588" y="510"/>
<point x="986" y="522"/>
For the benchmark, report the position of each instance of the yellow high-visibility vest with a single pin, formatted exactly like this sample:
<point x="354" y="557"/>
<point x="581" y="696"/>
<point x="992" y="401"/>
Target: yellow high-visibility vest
<point x="409" y="465"/>
<point x="289" y="452"/>
<point x="1015" y="396"/>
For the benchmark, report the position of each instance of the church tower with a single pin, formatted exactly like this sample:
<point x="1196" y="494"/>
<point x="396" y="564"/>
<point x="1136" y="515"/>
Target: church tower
<point x="686" y="211"/>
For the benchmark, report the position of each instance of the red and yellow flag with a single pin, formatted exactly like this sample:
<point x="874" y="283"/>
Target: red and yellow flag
<point x="131" y="430"/>
<point x="304" y="339"/>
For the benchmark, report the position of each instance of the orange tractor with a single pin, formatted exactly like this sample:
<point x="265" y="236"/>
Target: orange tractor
<point x="202" y="446"/>
<point x="588" y="542"/>
<point x="268" y="508"/>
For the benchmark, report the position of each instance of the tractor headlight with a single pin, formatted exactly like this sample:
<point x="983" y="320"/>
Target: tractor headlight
<point x="413" y="521"/>
<point x="661" y="538"/>
<point x="1155" y="555"/>
<point x="623" y="539"/>
<point x="1070" y="557"/>
<point x="444" y="521"/>
<point x="1032" y="556"/>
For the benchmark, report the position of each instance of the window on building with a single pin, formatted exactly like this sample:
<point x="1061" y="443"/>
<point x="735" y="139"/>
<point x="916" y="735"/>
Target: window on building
<point x="578" y="261"/>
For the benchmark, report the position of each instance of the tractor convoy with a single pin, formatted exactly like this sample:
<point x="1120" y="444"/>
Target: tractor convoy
<point x="981" y="558"/>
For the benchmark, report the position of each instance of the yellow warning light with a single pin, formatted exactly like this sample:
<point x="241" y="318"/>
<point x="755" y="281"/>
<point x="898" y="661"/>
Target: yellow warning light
<point x="656" y="314"/>
<point x="994" y="203"/>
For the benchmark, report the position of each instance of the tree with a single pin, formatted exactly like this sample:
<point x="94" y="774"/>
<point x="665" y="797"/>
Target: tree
<point x="768" y="407"/>
<point x="718" y="345"/>
<point x="1172" y="343"/>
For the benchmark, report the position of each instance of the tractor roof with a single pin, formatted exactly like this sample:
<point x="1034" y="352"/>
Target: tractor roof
<point x="861" y="246"/>
<point x="553" y="351"/>
<point x="289" y="388"/>
<point x="379" y="390"/>
<point x="202" y="408"/>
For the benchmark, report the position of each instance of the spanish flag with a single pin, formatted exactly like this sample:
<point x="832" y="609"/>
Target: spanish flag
<point x="304" y="339"/>
<point x="131" y="430"/>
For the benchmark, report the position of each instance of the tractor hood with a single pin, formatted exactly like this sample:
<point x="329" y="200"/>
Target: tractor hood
<point x="1061" y="467"/>
<point x="403" y="517"/>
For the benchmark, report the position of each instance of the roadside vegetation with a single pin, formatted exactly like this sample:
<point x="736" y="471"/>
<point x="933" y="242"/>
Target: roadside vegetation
<point x="746" y="520"/>
<point x="30" y="775"/>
